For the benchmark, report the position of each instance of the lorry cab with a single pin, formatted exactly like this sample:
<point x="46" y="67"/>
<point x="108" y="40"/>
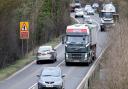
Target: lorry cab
<point x="78" y="44"/>
<point x="106" y="15"/>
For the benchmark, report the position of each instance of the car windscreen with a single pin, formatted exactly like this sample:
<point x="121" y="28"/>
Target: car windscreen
<point x="52" y="73"/>
<point x="77" y="1"/>
<point x="90" y="8"/>
<point x="44" y="49"/>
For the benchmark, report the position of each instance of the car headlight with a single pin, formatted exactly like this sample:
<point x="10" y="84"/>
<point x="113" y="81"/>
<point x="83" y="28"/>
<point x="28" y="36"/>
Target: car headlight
<point x="58" y="83"/>
<point x="41" y="83"/>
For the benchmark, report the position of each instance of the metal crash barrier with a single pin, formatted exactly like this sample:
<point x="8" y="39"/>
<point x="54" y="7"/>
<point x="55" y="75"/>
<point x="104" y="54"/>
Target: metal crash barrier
<point x="92" y="75"/>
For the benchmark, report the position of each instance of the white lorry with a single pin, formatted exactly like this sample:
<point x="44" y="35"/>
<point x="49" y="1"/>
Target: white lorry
<point x="107" y="13"/>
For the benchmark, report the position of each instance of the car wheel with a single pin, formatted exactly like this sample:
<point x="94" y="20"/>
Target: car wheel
<point x="39" y="87"/>
<point x="67" y="63"/>
<point x="102" y="27"/>
<point x="37" y="62"/>
<point x="55" y="59"/>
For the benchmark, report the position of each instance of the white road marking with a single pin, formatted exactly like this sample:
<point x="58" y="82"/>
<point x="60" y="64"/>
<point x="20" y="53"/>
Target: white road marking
<point x="75" y="19"/>
<point x="58" y="45"/>
<point x="60" y="63"/>
<point x="20" y="70"/>
<point x="33" y="86"/>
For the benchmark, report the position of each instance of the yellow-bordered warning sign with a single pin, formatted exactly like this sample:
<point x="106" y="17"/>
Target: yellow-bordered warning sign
<point x="24" y="30"/>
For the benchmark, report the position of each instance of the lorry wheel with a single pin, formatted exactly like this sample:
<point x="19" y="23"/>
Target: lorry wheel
<point x="67" y="63"/>
<point x="102" y="27"/>
<point x="94" y="58"/>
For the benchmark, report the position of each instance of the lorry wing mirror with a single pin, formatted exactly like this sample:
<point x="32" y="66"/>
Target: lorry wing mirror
<point x="93" y="46"/>
<point x="63" y="39"/>
<point x="100" y="14"/>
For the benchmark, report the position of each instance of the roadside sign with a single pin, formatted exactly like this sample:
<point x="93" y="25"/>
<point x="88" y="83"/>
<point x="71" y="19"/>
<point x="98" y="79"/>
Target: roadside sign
<point x="24" y="30"/>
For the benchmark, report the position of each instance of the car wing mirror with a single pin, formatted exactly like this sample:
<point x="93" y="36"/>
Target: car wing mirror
<point x="63" y="39"/>
<point x="64" y="75"/>
<point x="38" y="76"/>
<point x="54" y="49"/>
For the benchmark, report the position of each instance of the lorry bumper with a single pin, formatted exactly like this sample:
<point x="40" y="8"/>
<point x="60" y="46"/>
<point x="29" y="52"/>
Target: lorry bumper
<point x="76" y="61"/>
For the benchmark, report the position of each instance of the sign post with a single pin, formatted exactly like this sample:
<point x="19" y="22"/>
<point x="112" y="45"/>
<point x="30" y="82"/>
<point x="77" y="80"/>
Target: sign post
<point x="24" y="34"/>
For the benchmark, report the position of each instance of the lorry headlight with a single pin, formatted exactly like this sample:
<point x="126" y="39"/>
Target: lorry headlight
<point x="86" y="56"/>
<point x="66" y="55"/>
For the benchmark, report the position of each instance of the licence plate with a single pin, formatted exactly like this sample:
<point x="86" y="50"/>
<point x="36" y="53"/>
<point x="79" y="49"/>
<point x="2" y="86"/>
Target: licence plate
<point x="76" y="61"/>
<point x="49" y="85"/>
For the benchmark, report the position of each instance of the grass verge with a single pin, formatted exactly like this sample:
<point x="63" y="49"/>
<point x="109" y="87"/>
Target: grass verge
<point x="19" y="64"/>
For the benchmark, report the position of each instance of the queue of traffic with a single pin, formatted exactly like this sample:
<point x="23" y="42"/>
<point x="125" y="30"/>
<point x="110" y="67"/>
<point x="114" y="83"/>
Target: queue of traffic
<point x="79" y="43"/>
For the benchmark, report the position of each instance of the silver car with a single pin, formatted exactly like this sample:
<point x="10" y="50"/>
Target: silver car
<point x="90" y="11"/>
<point x="79" y="12"/>
<point x="51" y="77"/>
<point x="46" y="53"/>
<point x="87" y="7"/>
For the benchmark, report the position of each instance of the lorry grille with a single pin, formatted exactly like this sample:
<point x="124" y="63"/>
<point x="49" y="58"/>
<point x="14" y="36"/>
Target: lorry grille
<point x="76" y="56"/>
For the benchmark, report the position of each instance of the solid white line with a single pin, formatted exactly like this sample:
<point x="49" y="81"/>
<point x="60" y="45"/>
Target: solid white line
<point x="33" y="86"/>
<point x="60" y="63"/>
<point x="58" y="45"/>
<point x="75" y="19"/>
<point x="20" y="70"/>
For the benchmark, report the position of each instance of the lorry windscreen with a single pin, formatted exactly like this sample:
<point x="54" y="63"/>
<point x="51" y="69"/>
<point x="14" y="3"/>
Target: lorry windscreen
<point x="107" y="15"/>
<point x="77" y="39"/>
<point x="77" y="1"/>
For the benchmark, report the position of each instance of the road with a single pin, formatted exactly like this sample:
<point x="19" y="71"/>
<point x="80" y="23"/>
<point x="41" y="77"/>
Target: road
<point x="74" y="74"/>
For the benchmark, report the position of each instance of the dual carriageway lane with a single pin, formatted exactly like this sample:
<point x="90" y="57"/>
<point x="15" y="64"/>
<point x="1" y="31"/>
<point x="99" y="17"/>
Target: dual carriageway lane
<point x="27" y="79"/>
